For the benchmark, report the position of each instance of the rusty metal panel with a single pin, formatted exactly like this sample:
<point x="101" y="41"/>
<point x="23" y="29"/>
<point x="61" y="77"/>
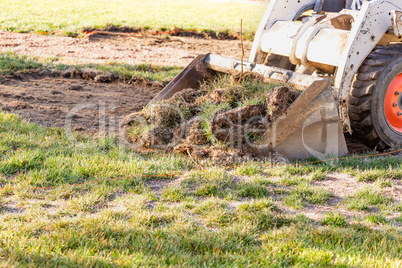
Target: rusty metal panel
<point x="190" y="77"/>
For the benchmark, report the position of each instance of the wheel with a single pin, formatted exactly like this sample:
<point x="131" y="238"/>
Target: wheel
<point x="375" y="103"/>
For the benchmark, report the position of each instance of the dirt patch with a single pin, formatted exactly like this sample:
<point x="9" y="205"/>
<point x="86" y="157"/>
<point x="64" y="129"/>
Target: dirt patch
<point x="342" y="186"/>
<point x="100" y="49"/>
<point x="73" y="103"/>
<point x="196" y="134"/>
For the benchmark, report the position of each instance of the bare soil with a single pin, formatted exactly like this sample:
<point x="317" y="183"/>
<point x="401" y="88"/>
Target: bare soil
<point x="75" y="104"/>
<point x="99" y="49"/>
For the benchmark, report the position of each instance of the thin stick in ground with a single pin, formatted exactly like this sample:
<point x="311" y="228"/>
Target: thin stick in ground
<point x="242" y="48"/>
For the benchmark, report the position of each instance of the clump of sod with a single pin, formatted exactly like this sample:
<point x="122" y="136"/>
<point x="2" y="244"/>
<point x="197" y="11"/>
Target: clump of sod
<point x="223" y="119"/>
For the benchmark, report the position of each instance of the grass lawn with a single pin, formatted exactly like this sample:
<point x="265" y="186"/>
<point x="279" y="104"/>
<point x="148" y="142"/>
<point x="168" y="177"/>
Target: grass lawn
<point x="251" y="215"/>
<point x="74" y="16"/>
<point x="206" y="217"/>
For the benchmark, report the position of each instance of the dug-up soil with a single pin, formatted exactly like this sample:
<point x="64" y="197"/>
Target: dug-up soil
<point x="88" y="101"/>
<point x="105" y="48"/>
<point x="227" y="134"/>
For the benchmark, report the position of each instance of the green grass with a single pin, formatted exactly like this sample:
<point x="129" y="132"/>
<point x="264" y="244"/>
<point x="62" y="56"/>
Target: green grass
<point x="11" y="63"/>
<point x="376" y="175"/>
<point x="305" y="193"/>
<point x="377" y="219"/>
<point x="334" y="220"/>
<point x="149" y="72"/>
<point x="366" y="198"/>
<point x="14" y="64"/>
<point x="74" y="16"/>
<point x="206" y="217"/>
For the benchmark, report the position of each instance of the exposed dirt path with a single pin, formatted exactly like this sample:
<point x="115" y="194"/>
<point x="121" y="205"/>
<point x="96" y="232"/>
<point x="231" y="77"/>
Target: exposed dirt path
<point x="100" y="49"/>
<point x="75" y="104"/>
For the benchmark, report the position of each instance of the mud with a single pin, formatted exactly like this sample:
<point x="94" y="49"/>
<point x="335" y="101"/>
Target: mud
<point x="101" y="49"/>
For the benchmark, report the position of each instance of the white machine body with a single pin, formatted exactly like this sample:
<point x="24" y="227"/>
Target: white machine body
<point x="330" y="43"/>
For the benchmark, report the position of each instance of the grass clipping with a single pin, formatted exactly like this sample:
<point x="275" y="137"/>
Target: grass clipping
<point x="224" y="119"/>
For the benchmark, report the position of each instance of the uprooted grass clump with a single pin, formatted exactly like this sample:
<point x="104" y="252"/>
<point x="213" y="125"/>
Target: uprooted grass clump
<point x="224" y="119"/>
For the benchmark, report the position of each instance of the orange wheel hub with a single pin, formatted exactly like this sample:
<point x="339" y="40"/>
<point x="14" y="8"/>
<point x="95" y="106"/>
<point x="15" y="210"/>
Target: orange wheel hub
<point x="393" y="104"/>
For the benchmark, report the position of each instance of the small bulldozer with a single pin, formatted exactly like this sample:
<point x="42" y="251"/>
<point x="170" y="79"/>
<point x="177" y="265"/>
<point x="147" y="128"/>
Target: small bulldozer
<point x="345" y="57"/>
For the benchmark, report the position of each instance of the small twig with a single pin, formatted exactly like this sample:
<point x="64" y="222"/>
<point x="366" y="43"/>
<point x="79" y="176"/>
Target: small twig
<point x="192" y="159"/>
<point x="242" y="48"/>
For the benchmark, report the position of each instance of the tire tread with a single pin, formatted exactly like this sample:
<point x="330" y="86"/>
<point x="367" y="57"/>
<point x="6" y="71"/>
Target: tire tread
<point x="361" y="94"/>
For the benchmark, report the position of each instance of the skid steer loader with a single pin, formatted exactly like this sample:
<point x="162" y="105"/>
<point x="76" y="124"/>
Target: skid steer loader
<point x="347" y="62"/>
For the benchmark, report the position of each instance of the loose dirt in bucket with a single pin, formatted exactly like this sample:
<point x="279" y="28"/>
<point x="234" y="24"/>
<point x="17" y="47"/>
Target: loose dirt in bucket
<point x="224" y="119"/>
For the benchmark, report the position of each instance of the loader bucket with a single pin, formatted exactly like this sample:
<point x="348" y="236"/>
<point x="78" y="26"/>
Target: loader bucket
<point x="310" y="126"/>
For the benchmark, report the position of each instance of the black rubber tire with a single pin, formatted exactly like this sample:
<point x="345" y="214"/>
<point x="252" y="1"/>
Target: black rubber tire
<point x="366" y="100"/>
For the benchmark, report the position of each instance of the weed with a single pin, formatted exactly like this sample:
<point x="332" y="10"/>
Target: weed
<point x="11" y="63"/>
<point x="334" y="220"/>
<point x="365" y="198"/>
<point x="376" y="174"/>
<point x="258" y="205"/>
<point x="377" y="219"/>
<point x="215" y="182"/>
<point x="252" y="189"/>
<point x="173" y="193"/>
<point x="306" y="193"/>
<point x="249" y="170"/>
